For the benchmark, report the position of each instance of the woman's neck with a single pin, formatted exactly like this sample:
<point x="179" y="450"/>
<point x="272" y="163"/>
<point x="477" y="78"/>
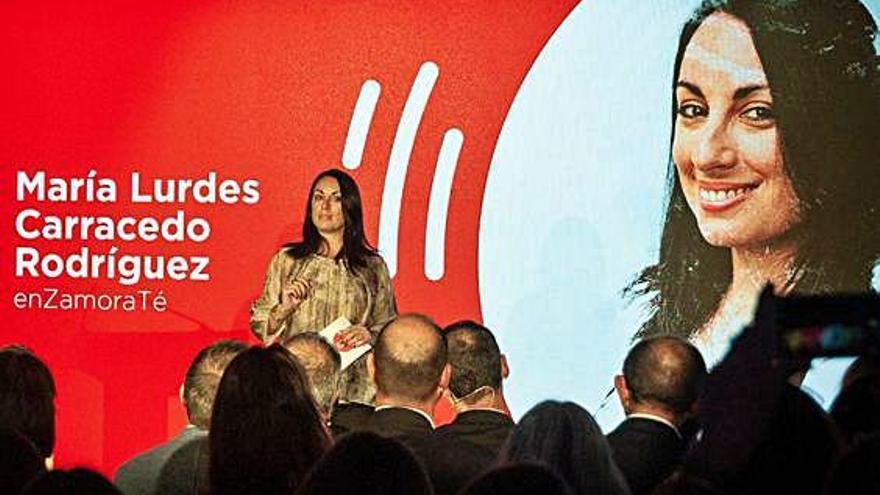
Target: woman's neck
<point x="331" y="244"/>
<point x="754" y="268"/>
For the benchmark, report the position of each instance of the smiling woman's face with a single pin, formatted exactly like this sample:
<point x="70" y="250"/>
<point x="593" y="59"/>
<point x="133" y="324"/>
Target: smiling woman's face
<point x="726" y="146"/>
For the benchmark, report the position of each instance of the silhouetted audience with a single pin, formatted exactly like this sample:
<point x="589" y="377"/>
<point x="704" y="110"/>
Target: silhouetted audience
<point x="266" y="431"/>
<point x="565" y="437"/>
<point x="27" y="398"/>
<point x="759" y="433"/>
<point x="19" y="461"/>
<point x="521" y="478"/>
<point x="182" y="467"/>
<point x="858" y="471"/>
<point x="365" y="463"/>
<point x="79" y="481"/>
<point x="856" y="410"/>
<point x="322" y="364"/>
<point x="470" y="444"/>
<point x="662" y="377"/>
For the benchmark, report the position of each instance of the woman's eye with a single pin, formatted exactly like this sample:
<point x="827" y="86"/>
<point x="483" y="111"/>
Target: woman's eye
<point x="692" y="111"/>
<point x="760" y="114"/>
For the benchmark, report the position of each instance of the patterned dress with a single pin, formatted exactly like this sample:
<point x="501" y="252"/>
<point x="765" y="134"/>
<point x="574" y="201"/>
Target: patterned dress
<point x="364" y="298"/>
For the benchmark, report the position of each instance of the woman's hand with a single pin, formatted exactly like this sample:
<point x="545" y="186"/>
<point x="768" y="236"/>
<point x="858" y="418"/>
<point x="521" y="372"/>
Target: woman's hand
<point x="351" y="337"/>
<point x="294" y="293"/>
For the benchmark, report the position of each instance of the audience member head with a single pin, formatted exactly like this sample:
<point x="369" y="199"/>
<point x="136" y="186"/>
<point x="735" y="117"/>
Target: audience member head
<point x="521" y="478"/>
<point x="266" y="432"/>
<point x="477" y="366"/>
<point x="856" y="410"/>
<point x="203" y="377"/>
<point x="856" y="472"/>
<point x="365" y="463"/>
<point x="661" y="376"/>
<point x="797" y="450"/>
<point x="408" y="363"/>
<point x="79" y="481"/>
<point x="19" y="461"/>
<point x="322" y="364"/>
<point x="27" y="397"/>
<point x="565" y="437"/>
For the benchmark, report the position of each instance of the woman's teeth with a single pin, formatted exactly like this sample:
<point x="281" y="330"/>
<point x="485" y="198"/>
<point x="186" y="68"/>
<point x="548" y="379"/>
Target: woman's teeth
<point x="720" y="195"/>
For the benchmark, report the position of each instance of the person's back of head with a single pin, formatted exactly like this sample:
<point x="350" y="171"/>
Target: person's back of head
<point x="521" y="478"/>
<point x="565" y="437"/>
<point x="366" y="463"/>
<point x="663" y="375"/>
<point x="19" y="461"/>
<point x="408" y="362"/>
<point x="78" y="481"/>
<point x="266" y="431"/>
<point x="475" y="360"/>
<point x="27" y="397"/>
<point x="322" y="365"/>
<point x="203" y="378"/>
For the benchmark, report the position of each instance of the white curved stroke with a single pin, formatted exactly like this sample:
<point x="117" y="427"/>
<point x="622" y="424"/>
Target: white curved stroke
<point x="361" y="118"/>
<point x="398" y="162"/>
<point x="438" y="205"/>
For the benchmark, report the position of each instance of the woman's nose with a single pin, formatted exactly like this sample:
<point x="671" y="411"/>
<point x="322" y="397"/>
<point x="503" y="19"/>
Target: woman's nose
<point x="714" y="149"/>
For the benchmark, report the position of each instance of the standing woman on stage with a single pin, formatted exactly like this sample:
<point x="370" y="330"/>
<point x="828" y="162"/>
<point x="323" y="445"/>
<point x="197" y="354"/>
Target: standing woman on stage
<point x="775" y="164"/>
<point x="332" y="272"/>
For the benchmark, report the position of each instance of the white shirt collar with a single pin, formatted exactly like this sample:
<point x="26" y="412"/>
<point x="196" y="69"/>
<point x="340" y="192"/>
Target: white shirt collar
<point x="658" y="419"/>
<point x="413" y="409"/>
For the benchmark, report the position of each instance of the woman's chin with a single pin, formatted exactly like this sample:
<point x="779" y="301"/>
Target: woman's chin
<point x="723" y="236"/>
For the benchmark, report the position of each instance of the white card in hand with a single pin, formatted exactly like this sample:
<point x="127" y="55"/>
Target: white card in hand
<point x="351" y="355"/>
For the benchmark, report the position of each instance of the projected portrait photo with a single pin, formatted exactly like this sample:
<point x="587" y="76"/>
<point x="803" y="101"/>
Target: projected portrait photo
<point x="774" y="143"/>
<point x="664" y="178"/>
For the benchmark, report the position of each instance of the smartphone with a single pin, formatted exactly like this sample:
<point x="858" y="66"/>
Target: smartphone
<point x="829" y="325"/>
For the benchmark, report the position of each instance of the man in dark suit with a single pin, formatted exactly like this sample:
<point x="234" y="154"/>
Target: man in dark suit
<point x="143" y="474"/>
<point x="470" y="444"/>
<point x="408" y="366"/>
<point x="662" y="378"/>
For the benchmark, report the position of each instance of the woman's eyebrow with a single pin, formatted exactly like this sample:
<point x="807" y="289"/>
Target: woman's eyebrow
<point x="693" y="88"/>
<point x="744" y="91"/>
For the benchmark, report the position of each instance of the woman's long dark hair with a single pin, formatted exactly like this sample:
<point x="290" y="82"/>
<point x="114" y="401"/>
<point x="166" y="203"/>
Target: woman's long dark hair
<point x="566" y="438"/>
<point x="356" y="249"/>
<point x="266" y="432"/>
<point x="822" y="68"/>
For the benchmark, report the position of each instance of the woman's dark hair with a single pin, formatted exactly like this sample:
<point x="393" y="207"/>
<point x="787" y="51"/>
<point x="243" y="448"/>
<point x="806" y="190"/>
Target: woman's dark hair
<point x="822" y="68"/>
<point x="356" y="249"/>
<point x="27" y="397"/>
<point x="76" y="481"/>
<point x="566" y="438"/>
<point x="266" y="432"/>
<point x="521" y="478"/>
<point x="19" y="461"/>
<point x="366" y="463"/>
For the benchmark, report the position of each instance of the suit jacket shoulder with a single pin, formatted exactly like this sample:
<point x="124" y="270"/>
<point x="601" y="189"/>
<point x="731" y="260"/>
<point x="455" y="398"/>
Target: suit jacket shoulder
<point x="646" y="451"/>
<point x="140" y="474"/>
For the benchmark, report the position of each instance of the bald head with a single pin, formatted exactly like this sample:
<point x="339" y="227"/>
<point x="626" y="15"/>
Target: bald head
<point x="322" y="365"/>
<point x="666" y="372"/>
<point x="409" y="358"/>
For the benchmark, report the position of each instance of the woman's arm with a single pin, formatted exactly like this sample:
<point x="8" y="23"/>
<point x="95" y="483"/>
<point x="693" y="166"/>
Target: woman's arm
<point x="266" y="312"/>
<point x="384" y="307"/>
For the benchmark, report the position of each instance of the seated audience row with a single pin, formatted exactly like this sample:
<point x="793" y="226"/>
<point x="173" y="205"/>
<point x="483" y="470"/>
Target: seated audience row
<point x="262" y="420"/>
